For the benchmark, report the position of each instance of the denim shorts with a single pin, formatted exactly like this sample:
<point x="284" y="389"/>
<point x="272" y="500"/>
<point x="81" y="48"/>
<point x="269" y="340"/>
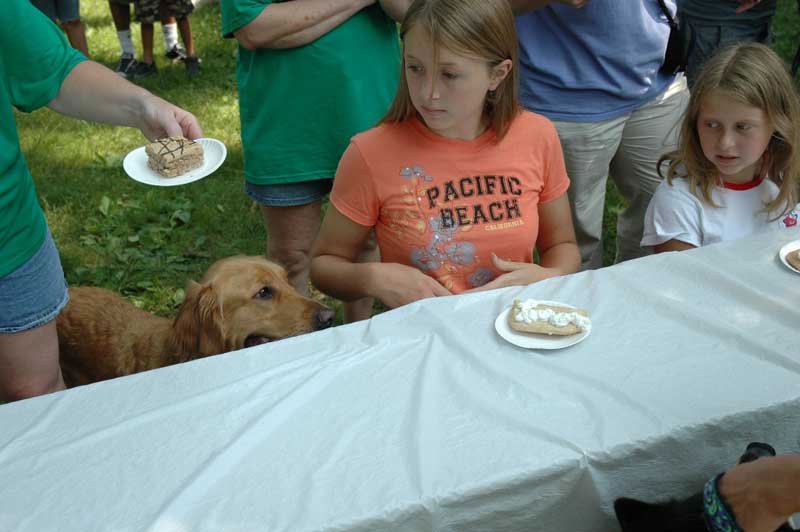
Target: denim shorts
<point x="63" y="10"/>
<point x="34" y="293"/>
<point x="289" y="194"/>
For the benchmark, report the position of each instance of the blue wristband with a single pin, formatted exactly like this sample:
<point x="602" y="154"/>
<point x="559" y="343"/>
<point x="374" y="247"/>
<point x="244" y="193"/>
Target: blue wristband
<point x="718" y="515"/>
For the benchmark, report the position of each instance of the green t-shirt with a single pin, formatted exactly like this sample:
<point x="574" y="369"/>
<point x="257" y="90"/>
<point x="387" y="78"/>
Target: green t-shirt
<point x="724" y="11"/>
<point x="300" y="106"/>
<point x="34" y="60"/>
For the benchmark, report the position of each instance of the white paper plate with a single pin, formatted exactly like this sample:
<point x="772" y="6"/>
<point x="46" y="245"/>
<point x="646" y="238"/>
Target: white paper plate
<point x="785" y="250"/>
<point x="135" y="165"/>
<point x="536" y="341"/>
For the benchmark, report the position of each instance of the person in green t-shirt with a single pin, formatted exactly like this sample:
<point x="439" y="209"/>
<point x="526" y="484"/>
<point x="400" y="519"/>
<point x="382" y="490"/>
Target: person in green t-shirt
<point x="311" y="74"/>
<point x="34" y="73"/>
<point x="708" y="25"/>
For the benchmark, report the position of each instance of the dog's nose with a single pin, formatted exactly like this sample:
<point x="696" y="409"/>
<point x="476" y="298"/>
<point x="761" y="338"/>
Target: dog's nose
<point x="324" y="319"/>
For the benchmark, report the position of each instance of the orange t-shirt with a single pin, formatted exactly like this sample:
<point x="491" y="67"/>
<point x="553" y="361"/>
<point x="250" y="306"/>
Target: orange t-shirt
<point x="444" y="205"/>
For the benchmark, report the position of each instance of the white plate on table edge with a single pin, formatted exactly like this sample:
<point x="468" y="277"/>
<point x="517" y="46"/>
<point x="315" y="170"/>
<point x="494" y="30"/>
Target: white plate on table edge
<point x="785" y="250"/>
<point x="536" y="341"/>
<point x="135" y="165"/>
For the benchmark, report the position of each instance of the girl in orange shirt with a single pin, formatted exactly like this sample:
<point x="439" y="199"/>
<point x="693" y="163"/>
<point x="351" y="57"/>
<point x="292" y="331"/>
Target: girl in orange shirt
<point x="458" y="182"/>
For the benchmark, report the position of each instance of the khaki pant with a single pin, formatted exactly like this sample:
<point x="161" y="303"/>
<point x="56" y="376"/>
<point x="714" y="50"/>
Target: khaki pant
<point x="625" y="149"/>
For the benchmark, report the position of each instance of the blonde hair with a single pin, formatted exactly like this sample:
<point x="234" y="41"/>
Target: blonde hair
<point x="754" y="75"/>
<point x="480" y="28"/>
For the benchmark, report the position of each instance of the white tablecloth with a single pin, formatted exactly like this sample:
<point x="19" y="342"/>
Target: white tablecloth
<point x="425" y="419"/>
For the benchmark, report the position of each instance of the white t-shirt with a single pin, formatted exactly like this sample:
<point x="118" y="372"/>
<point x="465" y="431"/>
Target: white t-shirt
<point x="675" y="213"/>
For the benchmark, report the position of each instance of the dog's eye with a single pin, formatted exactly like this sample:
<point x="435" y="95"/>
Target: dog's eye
<point x="264" y="293"/>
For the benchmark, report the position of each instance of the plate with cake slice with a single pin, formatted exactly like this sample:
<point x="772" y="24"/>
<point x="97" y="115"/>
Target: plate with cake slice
<point x="536" y="324"/>
<point x="790" y="255"/>
<point x="173" y="161"/>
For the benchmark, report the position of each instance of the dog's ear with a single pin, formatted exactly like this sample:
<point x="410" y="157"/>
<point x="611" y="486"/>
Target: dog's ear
<point x="198" y="326"/>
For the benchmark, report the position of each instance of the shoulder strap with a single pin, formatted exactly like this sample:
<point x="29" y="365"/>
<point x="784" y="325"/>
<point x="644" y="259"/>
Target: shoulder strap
<point x="666" y="12"/>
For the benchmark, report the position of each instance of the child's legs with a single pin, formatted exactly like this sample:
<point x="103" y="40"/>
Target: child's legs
<point x="30" y="298"/>
<point x="77" y="36"/>
<point x="588" y="150"/>
<point x="166" y="19"/>
<point x="185" y="30"/>
<point x="120" y="14"/>
<point x="69" y="13"/>
<point x="147" y="11"/>
<point x="181" y="9"/>
<point x="169" y="29"/>
<point x="649" y="132"/>
<point x="147" y="43"/>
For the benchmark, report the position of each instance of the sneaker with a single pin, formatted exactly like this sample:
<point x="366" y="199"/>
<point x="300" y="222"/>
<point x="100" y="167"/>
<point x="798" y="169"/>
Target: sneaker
<point x="176" y="53"/>
<point x="144" y="70"/>
<point x="127" y="64"/>
<point x="192" y="66"/>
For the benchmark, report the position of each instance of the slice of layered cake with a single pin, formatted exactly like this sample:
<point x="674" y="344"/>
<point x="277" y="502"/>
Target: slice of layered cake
<point x="174" y="156"/>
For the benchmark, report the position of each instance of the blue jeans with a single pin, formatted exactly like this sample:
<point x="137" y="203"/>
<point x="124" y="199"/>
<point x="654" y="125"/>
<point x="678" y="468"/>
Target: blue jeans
<point x="289" y="194"/>
<point x="702" y="39"/>
<point x="34" y="293"/>
<point x="60" y="10"/>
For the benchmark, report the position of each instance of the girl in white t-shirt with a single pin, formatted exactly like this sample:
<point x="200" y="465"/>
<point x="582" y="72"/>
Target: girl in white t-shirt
<point x="736" y="168"/>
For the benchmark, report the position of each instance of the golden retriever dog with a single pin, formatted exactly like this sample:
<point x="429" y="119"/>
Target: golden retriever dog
<point x="241" y="302"/>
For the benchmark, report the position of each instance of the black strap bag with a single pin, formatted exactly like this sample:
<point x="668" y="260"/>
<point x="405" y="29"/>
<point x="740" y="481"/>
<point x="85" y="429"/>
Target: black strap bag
<point x="675" y="56"/>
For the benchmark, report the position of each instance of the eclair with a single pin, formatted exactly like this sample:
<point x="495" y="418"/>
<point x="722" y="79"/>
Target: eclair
<point x="793" y="258"/>
<point x="532" y="316"/>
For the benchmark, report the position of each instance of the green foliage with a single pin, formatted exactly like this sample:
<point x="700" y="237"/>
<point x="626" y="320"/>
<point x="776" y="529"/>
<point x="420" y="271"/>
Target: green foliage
<point x="140" y="243"/>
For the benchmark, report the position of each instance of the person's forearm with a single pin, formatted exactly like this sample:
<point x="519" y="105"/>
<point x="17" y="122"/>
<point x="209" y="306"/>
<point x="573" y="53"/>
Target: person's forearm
<point x="763" y="493"/>
<point x="340" y="278"/>
<point x="296" y="23"/>
<point x="93" y="92"/>
<point x="787" y="492"/>
<point x="561" y="259"/>
<point x="396" y="8"/>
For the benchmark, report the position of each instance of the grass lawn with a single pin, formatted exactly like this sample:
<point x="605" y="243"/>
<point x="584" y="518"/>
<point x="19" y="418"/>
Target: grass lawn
<point x="146" y="241"/>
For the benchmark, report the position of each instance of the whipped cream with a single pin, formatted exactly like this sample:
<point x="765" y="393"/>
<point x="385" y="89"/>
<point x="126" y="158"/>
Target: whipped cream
<point x="526" y="312"/>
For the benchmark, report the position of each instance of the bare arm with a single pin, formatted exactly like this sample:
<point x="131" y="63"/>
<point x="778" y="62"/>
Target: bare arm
<point x="523" y="6"/>
<point x="334" y="269"/>
<point x="558" y="252"/>
<point x="95" y="93"/>
<point x="763" y="493"/>
<point x="672" y="245"/>
<point x="395" y="8"/>
<point x="744" y="5"/>
<point x="295" y="23"/>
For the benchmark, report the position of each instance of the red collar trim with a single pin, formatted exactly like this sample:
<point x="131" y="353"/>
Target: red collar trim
<point x="744" y="186"/>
